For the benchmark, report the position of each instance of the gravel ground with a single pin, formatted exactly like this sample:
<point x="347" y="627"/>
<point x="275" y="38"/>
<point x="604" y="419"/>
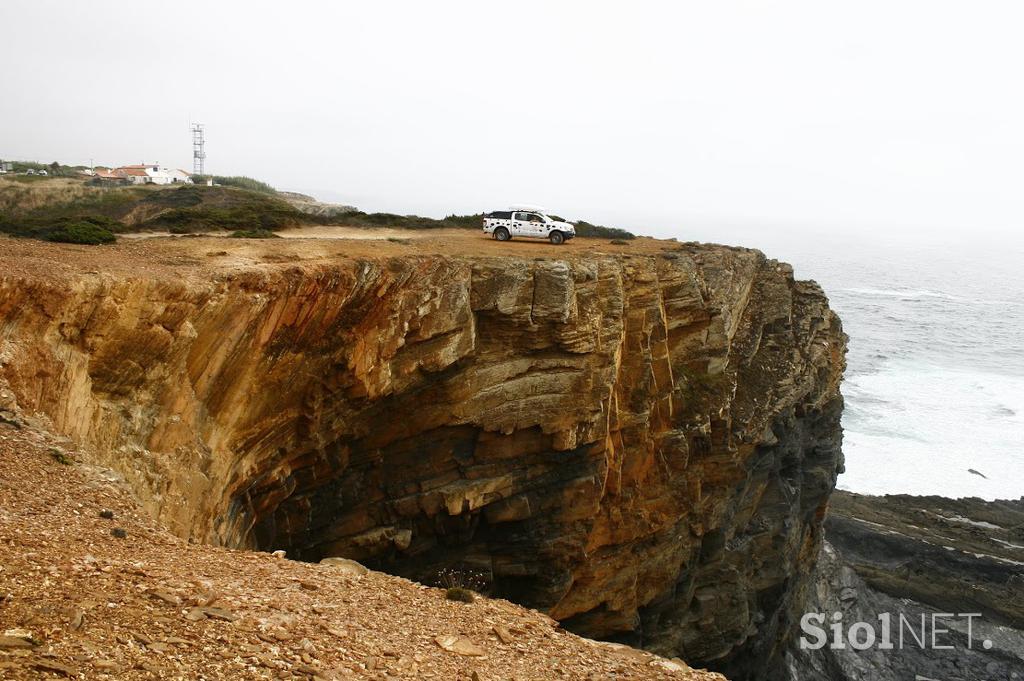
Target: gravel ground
<point x="197" y="257"/>
<point x="92" y="588"/>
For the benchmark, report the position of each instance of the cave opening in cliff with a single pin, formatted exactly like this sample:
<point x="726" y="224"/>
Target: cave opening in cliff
<point x="457" y="497"/>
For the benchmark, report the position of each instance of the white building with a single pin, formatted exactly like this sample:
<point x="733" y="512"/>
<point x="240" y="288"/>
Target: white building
<point x="153" y="174"/>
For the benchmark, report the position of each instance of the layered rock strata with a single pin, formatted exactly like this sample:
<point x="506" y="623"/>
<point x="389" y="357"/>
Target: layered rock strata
<point x="642" y="446"/>
<point x="947" y="573"/>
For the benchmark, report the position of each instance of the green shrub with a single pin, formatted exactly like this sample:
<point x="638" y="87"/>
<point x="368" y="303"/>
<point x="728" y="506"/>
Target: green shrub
<point x="243" y="182"/>
<point x="80" y="233"/>
<point x="585" y="229"/>
<point x="185" y="196"/>
<point x="199" y="209"/>
<point x="459" y="594"/>
<point x="254" y="234"/>
<point x="52" y="169"/>
<point x="462" y="583"/>
<point x="361" y="219"/>
<point x="60" y="457"/>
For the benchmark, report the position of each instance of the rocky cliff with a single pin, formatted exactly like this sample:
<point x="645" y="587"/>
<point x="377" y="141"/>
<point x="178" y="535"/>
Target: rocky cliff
<point x="639" y="441"/>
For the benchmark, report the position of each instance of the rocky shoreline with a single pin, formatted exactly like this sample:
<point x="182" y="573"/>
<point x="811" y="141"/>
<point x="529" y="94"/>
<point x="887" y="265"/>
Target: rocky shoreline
<point x="917" y="557"/>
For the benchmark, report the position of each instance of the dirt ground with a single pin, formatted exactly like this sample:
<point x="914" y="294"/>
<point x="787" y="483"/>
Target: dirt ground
<point x="92" y="588"/>
<point x="197" y="256"/>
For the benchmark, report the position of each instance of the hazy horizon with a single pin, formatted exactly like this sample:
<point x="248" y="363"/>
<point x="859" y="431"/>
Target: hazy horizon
<point x="882" y="118"/>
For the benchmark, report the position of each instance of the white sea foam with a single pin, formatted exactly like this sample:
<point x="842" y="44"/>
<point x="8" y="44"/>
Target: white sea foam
<point x="939" y="423"/>
<point x="900" y="293"/>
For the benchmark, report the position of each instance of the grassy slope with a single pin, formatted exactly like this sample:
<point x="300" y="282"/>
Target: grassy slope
<point x="71" y="209"/>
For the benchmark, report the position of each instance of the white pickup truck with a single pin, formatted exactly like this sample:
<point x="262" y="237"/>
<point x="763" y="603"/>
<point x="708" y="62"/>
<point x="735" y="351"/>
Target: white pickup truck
<point x="526" y="222"/>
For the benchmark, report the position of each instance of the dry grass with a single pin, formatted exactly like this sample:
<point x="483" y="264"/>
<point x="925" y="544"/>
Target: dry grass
<point x="18" y="197"/>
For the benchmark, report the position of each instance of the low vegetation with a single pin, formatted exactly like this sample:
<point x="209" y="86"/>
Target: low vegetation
<point x="254" y="234"/>
<point x="81" y="232"/>
<point x="237" y="181"/>
<point x="68" y="210"/>
<point x="585" y="229"/>
<point x="361" y="219"/>
<point x="461" y="583"/>
<point x="60" y="457"/>
<point x="192" y="208"/>
<point x="474" y="221"/>
<point x="54" y="169"/>
<point x="62" y="206"/>
<point x="459" y="594"/>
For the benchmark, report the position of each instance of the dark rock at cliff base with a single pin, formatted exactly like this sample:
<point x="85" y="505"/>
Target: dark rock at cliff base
<point x="920" y="557"/>
<point x="959" y="555"/>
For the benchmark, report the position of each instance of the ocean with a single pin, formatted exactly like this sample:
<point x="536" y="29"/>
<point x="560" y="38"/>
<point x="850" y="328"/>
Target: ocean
<point x="934" y="386"/>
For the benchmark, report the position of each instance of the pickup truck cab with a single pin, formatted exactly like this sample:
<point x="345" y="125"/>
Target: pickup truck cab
<point x="523" y="222"/>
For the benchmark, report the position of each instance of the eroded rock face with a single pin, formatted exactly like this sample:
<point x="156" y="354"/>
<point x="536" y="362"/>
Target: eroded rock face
<point x="641" y="446"/>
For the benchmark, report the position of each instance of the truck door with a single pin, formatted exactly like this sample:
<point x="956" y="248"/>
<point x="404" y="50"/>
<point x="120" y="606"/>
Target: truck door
<point x="521" y="224"/>
<point x="538" y="226"/>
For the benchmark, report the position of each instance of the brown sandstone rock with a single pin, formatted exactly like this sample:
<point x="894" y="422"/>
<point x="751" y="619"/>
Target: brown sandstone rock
<point x="640" y="444"/>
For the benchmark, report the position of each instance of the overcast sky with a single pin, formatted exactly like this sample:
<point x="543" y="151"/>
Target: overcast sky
<point x="895" y="115"/>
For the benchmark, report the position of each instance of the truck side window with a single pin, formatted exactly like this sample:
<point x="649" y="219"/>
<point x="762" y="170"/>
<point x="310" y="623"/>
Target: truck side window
<point x="521" y="216"/>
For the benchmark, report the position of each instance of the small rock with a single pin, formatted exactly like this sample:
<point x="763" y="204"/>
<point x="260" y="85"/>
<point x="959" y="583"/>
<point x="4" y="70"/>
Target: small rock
<point x="77" y="619"/>
<point x="670" y="665"/>
<point x="141" y="638"/>
<point x="7" y="642"/>
<point x="206" y="598"/>
<point x="345" y="566"/>
<point x="195" y="614"/>
<point x="107" y="513"/>
<point x="154" y="669"/>
<point x="460" y="645"/>
<point x="55" y="667"/>
<point x="119" y="532"/>
<point x="502" y="633"/>
<point x="218" y="613"/>
<point x="280" y="553"/>
<point x="165" y="596"/>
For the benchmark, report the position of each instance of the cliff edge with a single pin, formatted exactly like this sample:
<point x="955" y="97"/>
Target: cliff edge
<point x="638" y="440"/>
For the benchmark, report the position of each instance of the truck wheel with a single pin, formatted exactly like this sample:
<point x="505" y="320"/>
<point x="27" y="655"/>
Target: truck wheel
<point x="501" y="234"/>
<point x="556" y="237"/>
